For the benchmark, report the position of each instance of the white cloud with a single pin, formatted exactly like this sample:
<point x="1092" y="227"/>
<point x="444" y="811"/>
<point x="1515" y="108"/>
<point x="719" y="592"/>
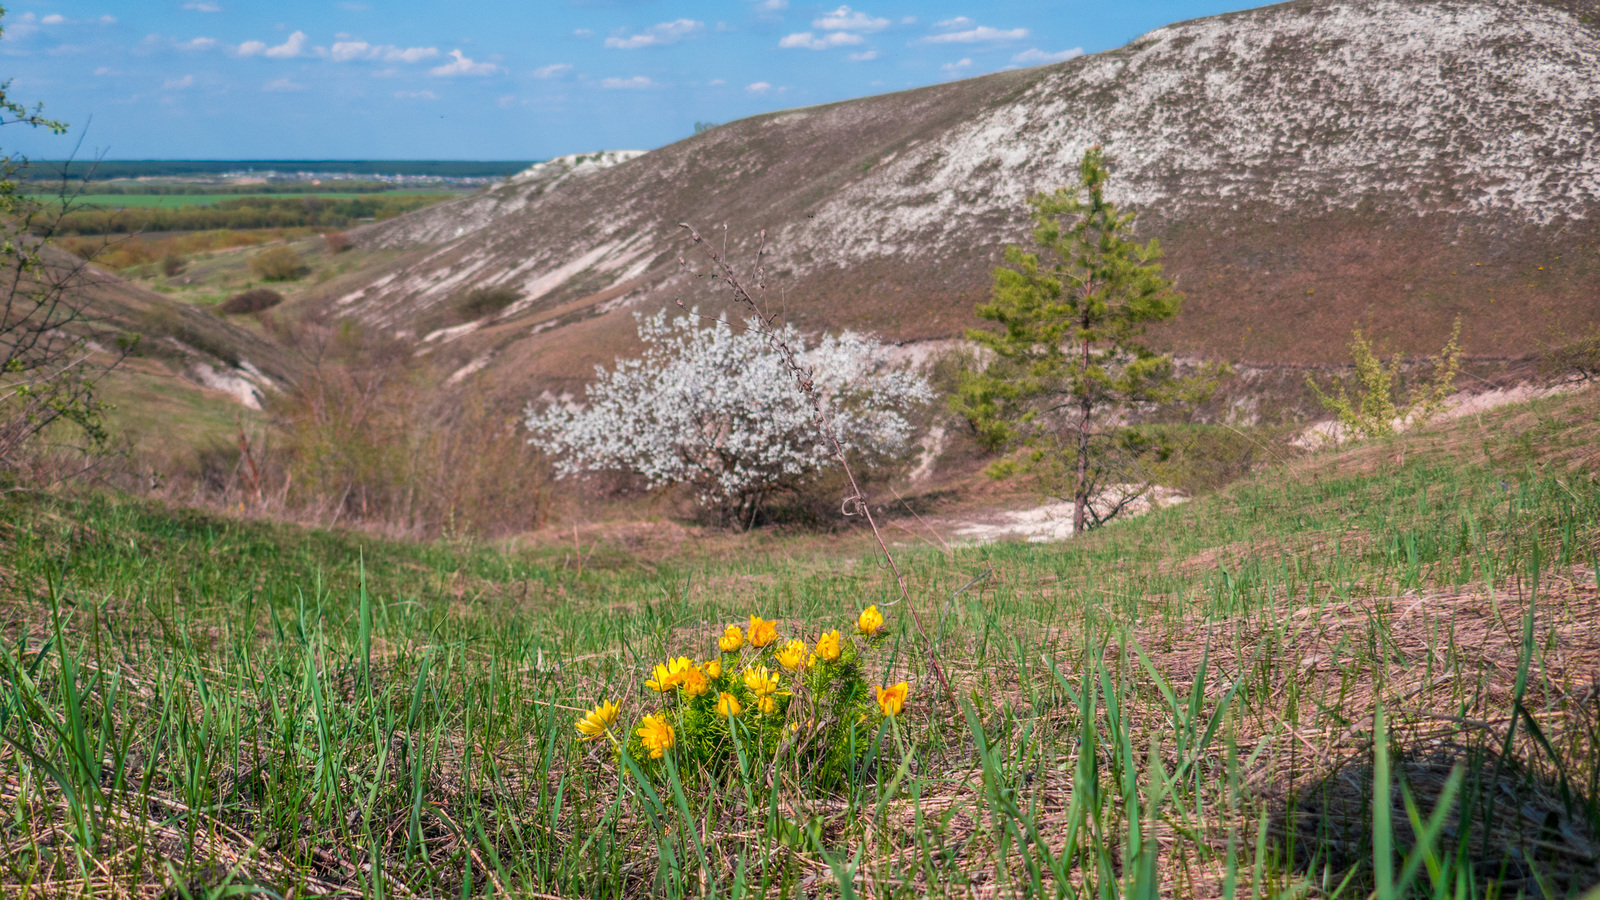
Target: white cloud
<point x="203" y="6"/>
<point x="409" y="54"/>
<point x="772" y="6"/>
<point x="551" y="70"/>
<point x="345" y="51"/>
<point x="805" y="40"/>
<point x="289" y="49"/>
<point x="199" y="43"/>
<point x="656" y="35"/>
<point x="464" y="65"/>
<point x="583" y="32"/>
<point x="637" y="82"/>
<point x="957" y="66"/>
<point x="53" y="19"/>
<point x="977" y="35"/>
<point x="507" y="101"/>
<point x="716" y="81"/>
<point x="178" y="84"/>
<point x="864" y="56"/>
<point x="416" y="95"/>
<point x="107" y="20"/>
<point x="282" y="86"/>
<point x="106" y="70"/>
<point x="760" y="87"/>
<point x="846" y="19"/>
<point x="957" y="22"/>
<point x="1035" y="56"/>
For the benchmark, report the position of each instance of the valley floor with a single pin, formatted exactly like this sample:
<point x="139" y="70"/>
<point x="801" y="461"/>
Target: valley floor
<point x="1220" y="697"/>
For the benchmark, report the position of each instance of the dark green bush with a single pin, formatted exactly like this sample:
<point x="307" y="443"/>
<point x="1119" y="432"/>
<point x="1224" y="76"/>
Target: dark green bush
<point x="485" y="301"/>
<point x="277" y="264"/>
<point x="250" y="301"/>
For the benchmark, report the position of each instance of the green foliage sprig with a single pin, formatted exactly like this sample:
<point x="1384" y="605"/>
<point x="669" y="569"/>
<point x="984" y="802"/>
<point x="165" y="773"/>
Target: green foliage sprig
<point x="1369" y="407"/>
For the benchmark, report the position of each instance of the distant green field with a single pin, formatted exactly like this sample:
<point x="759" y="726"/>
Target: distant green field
<point x="172" y="201"/>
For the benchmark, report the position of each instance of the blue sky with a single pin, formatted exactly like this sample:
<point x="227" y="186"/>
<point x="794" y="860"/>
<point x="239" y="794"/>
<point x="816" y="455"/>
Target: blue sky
<point x="424" y="79"/>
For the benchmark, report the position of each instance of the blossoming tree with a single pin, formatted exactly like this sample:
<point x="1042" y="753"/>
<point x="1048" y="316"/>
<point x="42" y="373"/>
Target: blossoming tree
<point x="715" y="408"/>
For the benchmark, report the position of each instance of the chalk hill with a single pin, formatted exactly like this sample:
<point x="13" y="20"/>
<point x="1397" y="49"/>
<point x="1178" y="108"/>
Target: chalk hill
<point x="1309" y="167"/>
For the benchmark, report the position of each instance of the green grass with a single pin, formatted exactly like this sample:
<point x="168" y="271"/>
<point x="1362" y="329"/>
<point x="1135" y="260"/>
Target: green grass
<point x="1217" y="699"/>
<point x="172" y="201"/>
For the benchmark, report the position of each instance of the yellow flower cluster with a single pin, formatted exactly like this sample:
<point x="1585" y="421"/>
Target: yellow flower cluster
<point x="750" y="674"/>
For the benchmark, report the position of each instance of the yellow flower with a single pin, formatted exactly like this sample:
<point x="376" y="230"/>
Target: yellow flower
<point x="768" y="704"/>
<point x="793" y="656"/>
<point x="760" y="681"/>
<point x="713" y="669"/>
<point x="762" y="631"/>
<point x="829" y="646"/>
<point x="656" y="733"/>
<point x="728" y="705"/>
<point x="869" y="621"/>
<point x="669" y="675"/>
<point x="893" y="699"/>
<point x="693" y="682"/>
<point x="732" y="639"/>
<point x="594" y="723"/>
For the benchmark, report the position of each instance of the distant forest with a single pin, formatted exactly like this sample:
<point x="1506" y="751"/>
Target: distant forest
<point x="104" y="170"/>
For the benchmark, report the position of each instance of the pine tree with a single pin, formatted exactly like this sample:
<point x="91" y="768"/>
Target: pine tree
<point x="1069" y="361"/>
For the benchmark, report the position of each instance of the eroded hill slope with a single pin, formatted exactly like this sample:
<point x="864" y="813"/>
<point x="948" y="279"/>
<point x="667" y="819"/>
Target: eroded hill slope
<point x="1310" y="166"/>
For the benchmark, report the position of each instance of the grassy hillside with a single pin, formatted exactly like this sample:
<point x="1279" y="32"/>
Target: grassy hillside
<point x="1185" y="698"/>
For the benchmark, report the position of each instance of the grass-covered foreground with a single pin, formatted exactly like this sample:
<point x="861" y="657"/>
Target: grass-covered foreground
<point x="1376" y="670"/>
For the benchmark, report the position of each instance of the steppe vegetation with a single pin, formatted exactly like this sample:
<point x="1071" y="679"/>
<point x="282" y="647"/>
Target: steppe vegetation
<point x="1183" y="703"/>
<point x="1366" y="670"/>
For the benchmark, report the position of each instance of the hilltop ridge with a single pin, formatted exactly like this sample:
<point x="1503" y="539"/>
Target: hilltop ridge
<point x="1310" y="167"/>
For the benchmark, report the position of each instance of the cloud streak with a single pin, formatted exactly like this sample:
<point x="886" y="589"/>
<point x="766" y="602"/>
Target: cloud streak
<point x="463" y="65"/>
<point x="636" y="83"/>
<point x="346" y="51"/>
<point x="656" y="35"/>
<point x="1035" y="56"/>
<point x="806" y="40"/>
<point x="289" y="49"/>
<point x="981" y="34"/>
<point x="846" y="19"/>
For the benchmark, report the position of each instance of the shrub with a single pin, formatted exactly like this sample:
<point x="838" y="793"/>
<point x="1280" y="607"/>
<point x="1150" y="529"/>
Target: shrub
<point x="484" y="301"/>
<point x="717" y="410"/>
<point x="171" y="264"/>
<point x="759" y="698"/>
<point x="1576" y="361"/>
<point x="337" y="241"/>
<point x="277" y="264"/>
<point x="1371" y="408"/>
<point x="250" y="301"/>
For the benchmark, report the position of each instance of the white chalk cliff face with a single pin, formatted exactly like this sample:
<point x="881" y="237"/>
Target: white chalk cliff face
<point x="1470" y="108"/>
<point x="1475" y="117"/>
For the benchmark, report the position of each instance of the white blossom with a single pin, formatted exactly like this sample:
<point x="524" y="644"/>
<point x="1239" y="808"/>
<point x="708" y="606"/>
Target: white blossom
<point x="717" y="409"/>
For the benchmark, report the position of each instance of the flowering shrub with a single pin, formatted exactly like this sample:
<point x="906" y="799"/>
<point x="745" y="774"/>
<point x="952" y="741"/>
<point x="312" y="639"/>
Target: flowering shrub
<point x="763" y="697"/>
<point x="717" y="409"/>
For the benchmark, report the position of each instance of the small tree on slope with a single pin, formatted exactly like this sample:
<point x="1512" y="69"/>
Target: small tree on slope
<point x="1069" y="364"/>
<point x="716" y="409"/>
